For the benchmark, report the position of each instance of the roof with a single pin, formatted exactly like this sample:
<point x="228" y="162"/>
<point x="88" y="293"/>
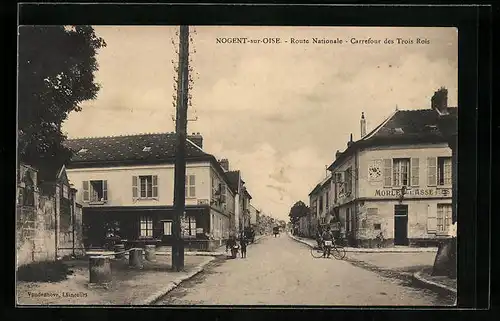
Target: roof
<point x="321" y="185"/>
<point x="128" y="148"/>
<point x="404" y="127"/>
<point x="139" y="149"/>
<point x="233" y="177"/>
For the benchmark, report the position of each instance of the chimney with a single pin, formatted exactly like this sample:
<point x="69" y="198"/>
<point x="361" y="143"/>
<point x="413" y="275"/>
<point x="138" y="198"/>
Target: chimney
<point x="363" y="125"/>
<point x="439" y="102"/>
<point x="349" y="143"/>
<point x="197" y="139"/>
<point x="224" y="163"/>
<point x="337" y="154"/>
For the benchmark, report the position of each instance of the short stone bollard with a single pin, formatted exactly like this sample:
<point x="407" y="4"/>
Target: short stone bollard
<point x="150" y="253"/>
<point x="120" y="249"/>
<point x="135" y="258"/>
<point x="99" y="269"/>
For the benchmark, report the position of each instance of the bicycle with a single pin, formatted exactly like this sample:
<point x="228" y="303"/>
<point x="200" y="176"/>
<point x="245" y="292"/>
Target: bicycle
<point x="337" y="251"/>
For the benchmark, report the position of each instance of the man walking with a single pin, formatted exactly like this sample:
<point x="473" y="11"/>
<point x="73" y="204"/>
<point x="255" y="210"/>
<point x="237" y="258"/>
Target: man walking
<point x="328" y="242"/>
<point x="243" y="245"/>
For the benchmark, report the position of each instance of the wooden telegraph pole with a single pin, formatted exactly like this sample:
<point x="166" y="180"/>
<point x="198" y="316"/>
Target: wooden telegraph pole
<point x="180" y="157"/>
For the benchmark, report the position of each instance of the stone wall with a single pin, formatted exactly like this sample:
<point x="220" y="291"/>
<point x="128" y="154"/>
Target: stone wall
<point x="39" y="221"/>
<point x="36" y="231"/>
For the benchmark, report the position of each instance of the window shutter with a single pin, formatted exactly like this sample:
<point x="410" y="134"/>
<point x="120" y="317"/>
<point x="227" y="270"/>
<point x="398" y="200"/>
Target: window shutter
<point x="223" y="193"/>
<point x="431" y="171"/>
<point x="186" y="184"/>
<point x="105" y="190"/>
<point x="387" y="172"/>
<point x="155" y="185"/>
<point x="192" y="186"/>
<point x="134" y="187"/>
<point x="431" y="220"/>
<point x="85" y="191"/>
<point x="415" y="172"/>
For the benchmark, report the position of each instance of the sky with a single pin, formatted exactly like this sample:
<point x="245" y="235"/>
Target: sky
<point x="278" y="112"/>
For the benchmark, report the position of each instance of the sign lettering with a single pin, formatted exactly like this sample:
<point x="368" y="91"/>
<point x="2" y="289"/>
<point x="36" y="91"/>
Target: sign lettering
<point x="413" y="192"/>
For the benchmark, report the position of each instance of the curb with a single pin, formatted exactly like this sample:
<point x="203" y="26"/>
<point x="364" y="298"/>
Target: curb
<point x="436" y="286"/>
<point x="172" y="285"/>
<point x="360" y="250"/>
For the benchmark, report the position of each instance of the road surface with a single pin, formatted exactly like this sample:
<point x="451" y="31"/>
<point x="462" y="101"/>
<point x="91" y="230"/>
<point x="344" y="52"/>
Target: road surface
<point x="281" y="271"/>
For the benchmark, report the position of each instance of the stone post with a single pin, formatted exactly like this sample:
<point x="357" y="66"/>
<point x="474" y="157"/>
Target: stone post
<point x="135" y="258"/>
<point x="120" y="248"/>
<point x="99" y="269"/>
<point x="150" y="253"/>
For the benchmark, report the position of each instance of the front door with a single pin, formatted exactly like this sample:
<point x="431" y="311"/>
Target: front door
<point x="401" y="225"/>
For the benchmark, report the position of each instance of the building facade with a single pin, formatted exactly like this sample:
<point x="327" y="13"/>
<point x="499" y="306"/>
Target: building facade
<point x="126" y="184"/>
<point x="396" y="181"/>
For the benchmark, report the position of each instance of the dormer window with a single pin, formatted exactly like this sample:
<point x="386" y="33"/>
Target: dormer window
<point x="83" y="150"/>
<point x="146" y="149"/>
<point x="398" y="130"/>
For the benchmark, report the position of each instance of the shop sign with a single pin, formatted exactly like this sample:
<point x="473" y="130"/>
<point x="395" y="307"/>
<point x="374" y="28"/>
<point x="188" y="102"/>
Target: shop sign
<point x="414" y="192"/>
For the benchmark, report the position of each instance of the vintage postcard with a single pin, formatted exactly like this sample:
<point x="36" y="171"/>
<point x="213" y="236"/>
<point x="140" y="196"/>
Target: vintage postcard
<point x="227" y="165"/>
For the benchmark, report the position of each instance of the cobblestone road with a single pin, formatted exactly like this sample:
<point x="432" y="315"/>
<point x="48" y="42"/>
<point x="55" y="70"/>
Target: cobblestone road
<point x="280" y="271"/>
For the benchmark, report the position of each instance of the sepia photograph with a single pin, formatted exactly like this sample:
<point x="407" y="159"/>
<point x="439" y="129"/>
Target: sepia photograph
<point x="236" y="165"/>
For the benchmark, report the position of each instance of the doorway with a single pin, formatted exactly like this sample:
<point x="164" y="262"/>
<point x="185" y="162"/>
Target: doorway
<point x="400" y="224"/>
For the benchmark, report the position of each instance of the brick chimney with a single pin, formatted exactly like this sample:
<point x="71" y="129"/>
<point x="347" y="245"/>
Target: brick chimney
<point x="224" y="163"/>
<point x="363" y="125"/>
<point x="197" y="139"/>
<point x="439" y="102"/>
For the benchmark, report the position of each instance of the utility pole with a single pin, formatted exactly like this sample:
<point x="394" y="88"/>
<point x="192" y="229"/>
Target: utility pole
<point x="180" y="157"/>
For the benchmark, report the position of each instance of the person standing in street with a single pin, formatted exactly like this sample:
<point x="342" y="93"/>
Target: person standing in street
<point x="243" y="245"/>
<point x="328" y="242"/>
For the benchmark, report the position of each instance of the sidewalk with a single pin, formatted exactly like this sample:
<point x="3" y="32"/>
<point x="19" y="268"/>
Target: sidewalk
<point x="403" y="249"/>
<point x="128" y="287"/>
<point x="439" y="283"/>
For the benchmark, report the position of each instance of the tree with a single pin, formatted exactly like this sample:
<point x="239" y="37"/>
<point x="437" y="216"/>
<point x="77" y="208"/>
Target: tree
<point x="298" y="210"/>
<point x="56" y="73"/>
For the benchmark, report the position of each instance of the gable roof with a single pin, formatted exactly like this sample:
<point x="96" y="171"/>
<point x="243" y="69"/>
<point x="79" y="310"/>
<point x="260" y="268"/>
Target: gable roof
<point x="129" y="149"/>
<point x="125" y="150"/>
<point x="233" y="178"/>
<point x="321" y="184"/>
<point x="403" y="127"/>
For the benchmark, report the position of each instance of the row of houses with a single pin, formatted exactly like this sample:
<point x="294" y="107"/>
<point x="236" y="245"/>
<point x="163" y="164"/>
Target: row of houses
<point x="395" y="180"/>
<point x="127" y="183"/>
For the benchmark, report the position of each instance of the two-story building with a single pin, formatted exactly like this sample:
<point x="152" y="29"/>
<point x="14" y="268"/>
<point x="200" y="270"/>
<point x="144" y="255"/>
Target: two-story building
<point x="242" y="198"/>
<point x="395" y="180"/>
<point x="320" y="201"/>
<point x="128" y="182"/>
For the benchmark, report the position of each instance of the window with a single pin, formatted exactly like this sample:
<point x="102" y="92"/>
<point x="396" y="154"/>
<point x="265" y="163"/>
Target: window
<point x="443" y="217"/>
<point x="95" y="191"/>
<point x="401" y="171"/>
<point x="321" y="203"/>
<point x="348" y="181"/>
<point x="65" y="191"/>
<point x="167" y="227"/>
<point x="444" y="170"/>
<point x="145" y="187"/>
<point x="376" y="226"/>
<point x="326" y="201"/>
<point x="190" y="186"/>
<point x="146" y="227"/>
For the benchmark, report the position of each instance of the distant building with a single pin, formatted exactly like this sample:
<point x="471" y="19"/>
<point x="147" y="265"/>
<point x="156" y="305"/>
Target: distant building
<point x="396" y="180"/>
<point x="320" y="205"/>
<point x="128" y="181"/>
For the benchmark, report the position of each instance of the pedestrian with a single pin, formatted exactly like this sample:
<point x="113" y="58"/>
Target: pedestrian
<point x="243" y="245"/>
<point x="328" y="241"/>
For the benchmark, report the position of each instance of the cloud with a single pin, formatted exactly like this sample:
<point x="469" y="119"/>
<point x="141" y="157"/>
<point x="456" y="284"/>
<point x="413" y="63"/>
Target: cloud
<point x="277" y="112"/>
